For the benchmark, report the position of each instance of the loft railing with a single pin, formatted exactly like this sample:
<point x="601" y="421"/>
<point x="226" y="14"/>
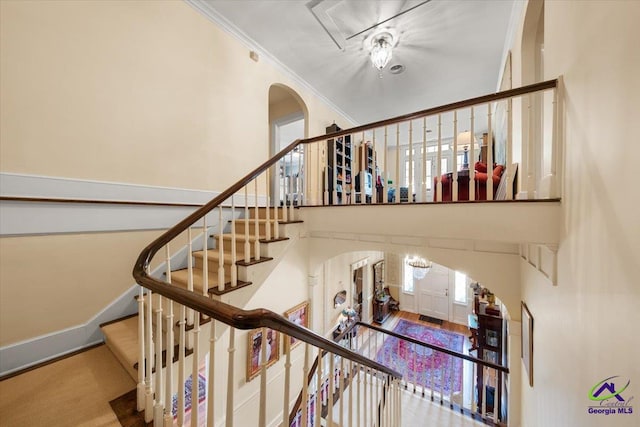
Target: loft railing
<point x="468" y="384"/>
<point x="242" y="225"/>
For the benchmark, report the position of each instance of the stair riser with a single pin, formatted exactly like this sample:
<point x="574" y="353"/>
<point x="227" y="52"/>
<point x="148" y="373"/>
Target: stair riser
<point x="212" y="265"/>
<point x="239" y="248"/>
<point x="262" y="227"/>
<point x="262" y="213"/>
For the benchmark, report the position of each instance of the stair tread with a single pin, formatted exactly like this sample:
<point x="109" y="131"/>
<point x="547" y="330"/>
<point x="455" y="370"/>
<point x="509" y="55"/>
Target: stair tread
<point x="214" y="255"/>
<point x="122" y="338"/>
<point x="263" y="239"/>
<point x="180" y="277"/>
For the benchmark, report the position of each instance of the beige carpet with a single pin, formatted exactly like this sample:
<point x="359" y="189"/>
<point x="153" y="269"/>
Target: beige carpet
<point x="72" y="392"/>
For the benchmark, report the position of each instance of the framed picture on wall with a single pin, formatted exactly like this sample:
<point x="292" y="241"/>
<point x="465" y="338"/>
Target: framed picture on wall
<point x="527" y="341"/>
<point x="254" y="353"/>
<point x="300" y="316"/>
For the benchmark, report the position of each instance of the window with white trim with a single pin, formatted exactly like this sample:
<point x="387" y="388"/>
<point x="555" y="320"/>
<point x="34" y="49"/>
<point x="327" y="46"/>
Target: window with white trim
<point x="407" y="279"/>
<point x="460" y="288"/>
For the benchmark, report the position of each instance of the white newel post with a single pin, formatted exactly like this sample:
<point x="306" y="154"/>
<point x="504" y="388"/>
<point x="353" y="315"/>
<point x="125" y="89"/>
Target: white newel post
<point x="142" y="362"/>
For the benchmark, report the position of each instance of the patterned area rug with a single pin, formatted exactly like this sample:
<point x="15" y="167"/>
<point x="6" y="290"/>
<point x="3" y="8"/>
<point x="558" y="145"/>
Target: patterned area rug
<point x="422" y="364"/>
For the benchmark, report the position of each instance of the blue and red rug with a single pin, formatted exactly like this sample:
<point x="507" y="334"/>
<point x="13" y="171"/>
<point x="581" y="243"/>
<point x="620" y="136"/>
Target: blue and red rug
<point x="421" y="364"/>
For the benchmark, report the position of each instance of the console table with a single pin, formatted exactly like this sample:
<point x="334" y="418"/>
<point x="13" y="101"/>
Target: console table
<point x="381" y="309"/>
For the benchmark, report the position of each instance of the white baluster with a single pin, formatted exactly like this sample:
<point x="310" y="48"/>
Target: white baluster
<point x="247" y="244"/>
<point x="287" y="381"/>
<point x="454" y="184"/>
<point x="142" y="362"/>
<point x="351" y="390"/>
<point x="190" y="313"/>
<point x="334" y="172"/>
<point x="195" y="398"/>
<point x="509" y="150"/>
<point x="221" y="281"/>
<point x="205" y="264"/>
<point x="230" y="378"/>
<point x="415" y="372"/>
<point x="332" y="375"/>
<point x="366" y="413"/>
<point x="149" y="389"/>
<point x="305" y="386"/>
<point x="410" y="183"/>
<point x="268" y="207"/>
<point x="326" y="178"/>
<point x="376" y="420"/>
<point x="439" y="165"/>
<point x="298" y="185"/>
<point x="211" y="381"/>
<point x="359" y="403"/>
<point x="262" y="410"/>
<point x="256" y="224"/>
<point x="374" y="193"/>
<point x="385" y="193"/>
<point x="424" y="159"/>
<point x="158" y="409"/>
<point x="341" y="389"/>
<point x="320" y="381"/>
<point x="489" y="156"/>
<point x="397" y="182"/>
<point x="181" y="363"/>
<point x="168" y="403"/>
<point x="472" y="169"/>
<point x="234" y="253"/>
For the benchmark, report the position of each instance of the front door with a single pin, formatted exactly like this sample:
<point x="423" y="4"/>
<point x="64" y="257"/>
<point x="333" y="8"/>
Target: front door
<point x="433" y="294"/>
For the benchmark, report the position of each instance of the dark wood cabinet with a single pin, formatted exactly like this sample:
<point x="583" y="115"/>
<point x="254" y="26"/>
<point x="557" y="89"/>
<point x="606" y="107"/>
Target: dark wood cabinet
<point x="490" y="348"/>
<point x="381" y="309"/>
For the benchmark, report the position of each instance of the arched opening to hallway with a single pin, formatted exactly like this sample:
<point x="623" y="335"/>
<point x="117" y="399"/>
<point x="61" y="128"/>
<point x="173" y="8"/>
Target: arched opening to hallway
<point x="288" y="121"/>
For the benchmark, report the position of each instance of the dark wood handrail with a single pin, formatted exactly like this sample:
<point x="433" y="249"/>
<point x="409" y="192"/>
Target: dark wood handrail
<point x="549" y="84"/>
<point x="438" y="348"/>
<point x="258" y="318"/>
<point x="254" y="318"/>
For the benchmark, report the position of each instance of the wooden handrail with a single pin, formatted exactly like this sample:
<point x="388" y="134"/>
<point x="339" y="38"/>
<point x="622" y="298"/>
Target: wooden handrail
<point x="438" y="348"/>
<point x="147" y="254"/>
<point x="549" y="84"/>
<point x="258" y="318"/>
<point x="243" y="319"/>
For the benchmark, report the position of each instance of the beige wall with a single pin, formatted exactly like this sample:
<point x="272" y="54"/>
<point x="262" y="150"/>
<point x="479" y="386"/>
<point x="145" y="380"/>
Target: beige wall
<point x="585" y="328"/>
<point x="143" y="92"/>
<point x="49" y="283"/>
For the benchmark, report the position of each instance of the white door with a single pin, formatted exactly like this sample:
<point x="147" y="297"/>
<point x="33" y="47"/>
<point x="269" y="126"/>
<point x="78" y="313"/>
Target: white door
<point x="433" y="294"/>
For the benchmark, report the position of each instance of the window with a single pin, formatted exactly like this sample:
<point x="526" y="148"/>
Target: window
<point x="407" y="280"/>
<point x="460" y="292"/>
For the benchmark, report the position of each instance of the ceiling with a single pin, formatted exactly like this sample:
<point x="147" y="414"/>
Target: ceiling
<point x="451" y="49"/>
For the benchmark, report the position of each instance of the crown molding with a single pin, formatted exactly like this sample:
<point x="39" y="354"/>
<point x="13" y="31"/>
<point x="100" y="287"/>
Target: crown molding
<point x="214" y="16"/>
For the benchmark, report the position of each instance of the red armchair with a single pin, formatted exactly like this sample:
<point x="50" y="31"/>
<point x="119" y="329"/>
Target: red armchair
<point x="481" y="177"/>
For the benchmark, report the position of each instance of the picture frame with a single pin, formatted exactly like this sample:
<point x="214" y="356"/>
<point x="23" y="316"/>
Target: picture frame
<point x="527" y="341"/>
<point x="300" y="316"/>
<point x="254" y="350"/>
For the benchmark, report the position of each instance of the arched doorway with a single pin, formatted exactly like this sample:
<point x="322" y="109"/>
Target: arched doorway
<point x="288" y="121"/>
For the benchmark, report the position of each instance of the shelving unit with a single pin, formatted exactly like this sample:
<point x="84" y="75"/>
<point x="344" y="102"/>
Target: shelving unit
<point x="339" y="164"/>
<point x="490" y="348"/>
<point x="366" y="157"/>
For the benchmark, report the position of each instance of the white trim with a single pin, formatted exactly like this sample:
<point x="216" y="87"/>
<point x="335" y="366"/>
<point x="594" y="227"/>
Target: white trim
<point x="214" y="16"/>
<point x="23" y="354"/>
<point x="43" y="217"/>
<point x="510" y="37"/>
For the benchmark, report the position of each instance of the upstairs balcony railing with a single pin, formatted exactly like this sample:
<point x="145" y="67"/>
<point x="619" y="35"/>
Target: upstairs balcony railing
<point x="387" y="171"/>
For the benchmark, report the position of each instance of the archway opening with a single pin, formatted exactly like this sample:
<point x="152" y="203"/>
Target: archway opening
<point x="288" y="121"/>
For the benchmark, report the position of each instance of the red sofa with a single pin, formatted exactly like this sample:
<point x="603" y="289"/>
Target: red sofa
<point x="481" y="177"/>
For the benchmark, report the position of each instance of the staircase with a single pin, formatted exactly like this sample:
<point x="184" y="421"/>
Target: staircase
<point x="190" y="307"/>
<point x="121" y="335"/>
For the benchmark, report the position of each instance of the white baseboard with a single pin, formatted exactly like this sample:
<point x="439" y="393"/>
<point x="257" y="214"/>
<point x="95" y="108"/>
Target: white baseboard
<point x="31" y="352"/>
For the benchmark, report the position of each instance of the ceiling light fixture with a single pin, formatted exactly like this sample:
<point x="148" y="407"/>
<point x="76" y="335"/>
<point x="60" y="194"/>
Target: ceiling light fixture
<point x="381" y="49"/>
